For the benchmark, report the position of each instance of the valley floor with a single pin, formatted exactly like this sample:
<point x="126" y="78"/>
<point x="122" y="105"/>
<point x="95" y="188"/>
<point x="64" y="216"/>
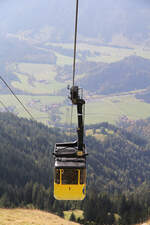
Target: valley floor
<point x="30" y="217"/>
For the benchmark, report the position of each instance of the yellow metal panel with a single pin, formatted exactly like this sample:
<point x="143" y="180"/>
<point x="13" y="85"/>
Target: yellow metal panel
<point x="69" y="191"/>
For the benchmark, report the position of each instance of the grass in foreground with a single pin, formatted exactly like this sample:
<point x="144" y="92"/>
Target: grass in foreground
<point x="146" y="223"/>
<point x="30" y="217"/>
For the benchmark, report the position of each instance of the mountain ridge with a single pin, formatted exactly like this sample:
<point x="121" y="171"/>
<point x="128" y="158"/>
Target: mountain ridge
<point x="131" y="73"/>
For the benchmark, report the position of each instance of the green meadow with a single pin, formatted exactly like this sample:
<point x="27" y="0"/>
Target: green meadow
<point x="63" y="60"/>
<point x="41" y="107"/>
<point x="106" y="54"/>
<point x="37" y="78"/>
<point x="111" y="109"/>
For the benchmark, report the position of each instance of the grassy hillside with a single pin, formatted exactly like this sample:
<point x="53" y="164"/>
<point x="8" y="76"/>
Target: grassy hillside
<point x="34" y="217"/>
<point x="30" y="217"/>
<point x="144" y="223"/>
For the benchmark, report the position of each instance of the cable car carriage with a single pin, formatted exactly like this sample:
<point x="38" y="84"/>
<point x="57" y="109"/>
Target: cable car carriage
<point x="70" y="160"/>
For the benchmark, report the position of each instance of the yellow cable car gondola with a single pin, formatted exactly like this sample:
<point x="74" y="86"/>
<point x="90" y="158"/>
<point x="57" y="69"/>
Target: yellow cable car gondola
<point x="70" y="160"/>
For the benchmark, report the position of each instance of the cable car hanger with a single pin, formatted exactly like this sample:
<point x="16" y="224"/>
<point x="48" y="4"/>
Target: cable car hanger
<point x="70" y="158"/>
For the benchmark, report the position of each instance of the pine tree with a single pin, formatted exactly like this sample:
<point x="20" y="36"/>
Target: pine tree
<point x="72" y="217"/>
<point x="28" y="192"/>
<point x="35" y="190"/>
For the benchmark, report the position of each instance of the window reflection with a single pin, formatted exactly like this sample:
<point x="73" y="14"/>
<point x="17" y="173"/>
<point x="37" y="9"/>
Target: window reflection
<point x="69" y="176"/>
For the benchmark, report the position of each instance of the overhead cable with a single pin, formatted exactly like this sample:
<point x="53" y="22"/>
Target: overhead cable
<point x="75" y="41"/>
<point x="17" y="98"/>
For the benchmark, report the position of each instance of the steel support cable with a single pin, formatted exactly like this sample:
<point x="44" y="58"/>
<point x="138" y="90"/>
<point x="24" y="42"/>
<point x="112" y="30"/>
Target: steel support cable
<point x="75" y="41"/>
<point x="74" y="56"/>
<point x="17" y="98"/>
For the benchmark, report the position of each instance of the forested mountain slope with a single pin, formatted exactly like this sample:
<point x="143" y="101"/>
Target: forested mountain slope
<point x="118" y="161"/>
<point x="26" y="150"/>
<point x="129" y="74"/>
<point x="138" y="127"/>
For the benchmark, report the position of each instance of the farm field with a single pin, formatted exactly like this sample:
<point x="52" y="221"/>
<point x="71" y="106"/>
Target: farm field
<point x="41" y="107"/>
<point x="113" y="108"/>
<point x="63" y="60"/>
<point x="30" y="217"/>
<point x="55" y="109"/>
<point x="108" y="54"/>
<point x="36" y="78"/>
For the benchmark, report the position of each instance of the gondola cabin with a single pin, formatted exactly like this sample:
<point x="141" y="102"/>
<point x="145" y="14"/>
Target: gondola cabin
<point x="70" y="172"/>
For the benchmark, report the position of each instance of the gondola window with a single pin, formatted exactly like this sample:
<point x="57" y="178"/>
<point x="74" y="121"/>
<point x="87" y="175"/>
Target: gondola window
<point x="69" y="176"/>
